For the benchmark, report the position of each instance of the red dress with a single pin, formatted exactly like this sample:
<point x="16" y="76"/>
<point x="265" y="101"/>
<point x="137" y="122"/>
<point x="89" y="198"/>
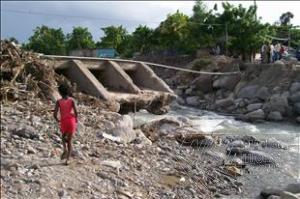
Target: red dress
<point x="67" y="116"/>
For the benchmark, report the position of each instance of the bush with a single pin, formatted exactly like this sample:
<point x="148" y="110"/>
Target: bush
<point x="200" y="64"/>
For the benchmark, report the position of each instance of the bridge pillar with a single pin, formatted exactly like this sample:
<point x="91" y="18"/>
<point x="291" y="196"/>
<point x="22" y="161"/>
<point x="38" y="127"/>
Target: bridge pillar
<point x="77" y="72"/>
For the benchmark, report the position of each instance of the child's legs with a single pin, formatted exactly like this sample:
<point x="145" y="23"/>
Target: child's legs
<point x="69" y="144"/>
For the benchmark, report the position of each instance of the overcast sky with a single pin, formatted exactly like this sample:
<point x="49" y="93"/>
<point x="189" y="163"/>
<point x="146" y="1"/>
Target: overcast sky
<point x="17" y="21"/>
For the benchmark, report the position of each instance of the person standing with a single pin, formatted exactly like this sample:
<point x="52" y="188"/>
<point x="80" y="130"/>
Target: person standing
<point x="272" y="54"/>
<point x="277" y="50"/>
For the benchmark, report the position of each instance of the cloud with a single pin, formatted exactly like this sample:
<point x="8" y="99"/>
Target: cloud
<point x="97" y="14"/>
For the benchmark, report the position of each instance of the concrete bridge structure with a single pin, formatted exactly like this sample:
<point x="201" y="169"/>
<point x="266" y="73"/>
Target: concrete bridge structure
<point x="132" y="83"/>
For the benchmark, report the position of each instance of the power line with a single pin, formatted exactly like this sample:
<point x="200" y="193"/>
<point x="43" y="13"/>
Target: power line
<point x="96" y="18"/>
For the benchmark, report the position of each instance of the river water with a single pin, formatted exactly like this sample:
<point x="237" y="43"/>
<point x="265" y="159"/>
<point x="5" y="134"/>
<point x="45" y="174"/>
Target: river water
<point x="288" y="170"/>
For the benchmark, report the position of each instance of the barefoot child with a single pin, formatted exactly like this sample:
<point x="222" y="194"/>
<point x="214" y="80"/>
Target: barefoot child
<point x="68" y="120"/>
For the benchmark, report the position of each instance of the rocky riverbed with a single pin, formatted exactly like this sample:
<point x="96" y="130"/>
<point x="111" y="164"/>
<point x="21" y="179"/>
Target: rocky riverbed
<point x="114" y="157"/>
<point x="258" y="92"/>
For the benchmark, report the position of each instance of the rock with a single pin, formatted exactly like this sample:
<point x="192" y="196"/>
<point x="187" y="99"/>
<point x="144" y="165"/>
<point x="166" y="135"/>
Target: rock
<point x="194" y="139"/>
<point x="112" y="163"/>
<point x="235" y="151"/>
<point x="295" y="87"/>
<point x="257" y="157"/>
<point x="27" y="132"/>
<point x="123" y="130"/>
<point x="189" y="91"/>
<point x="227" y="82"/>
<point x="180" y="100"/>
<point x="293" y="188"/>
<point x="192" y="101"/>
<point x="266" y="192"/>
<point x="224" y="102"/>
<point x="263" y="93"/>
<point x="273" y="143"/>
<point x="141" y="138"/>
<point x="297" y="108"/>
<point x="256" y="115"/>
<point x="275" y="116"/>
<point x="31" y="150"/>
<point x="203" y="83"/>
<point x="295" y="97"/>
<point x="179" y="92"/>
<point x="237" y="143"/>
<point x="215" y="155"/>
<point x="298" y="119"/>
<point x="273" y="197"/>
<point x="253" y="107"/>
<point x="278" y="103"/>
<point x="249" y="139"/>
<point x="248" y="92"/>
<point x="232" y="170"/>
<point x="162" y="127"/>
<point x="288" y="195"/>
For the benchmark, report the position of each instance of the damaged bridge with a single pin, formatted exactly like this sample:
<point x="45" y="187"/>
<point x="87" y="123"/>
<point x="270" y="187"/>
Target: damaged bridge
<point x="132" y="83"/>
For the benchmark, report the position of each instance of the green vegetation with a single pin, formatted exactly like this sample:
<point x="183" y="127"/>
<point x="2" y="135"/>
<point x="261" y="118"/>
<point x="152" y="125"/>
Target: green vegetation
<point x="236" y="30"/>
<point x="201" y="64"/>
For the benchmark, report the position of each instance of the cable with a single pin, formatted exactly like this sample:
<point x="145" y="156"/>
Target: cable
<point x="97" y="18"/>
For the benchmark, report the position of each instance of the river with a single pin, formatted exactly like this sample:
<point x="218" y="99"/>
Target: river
<point x="288" y="170"/>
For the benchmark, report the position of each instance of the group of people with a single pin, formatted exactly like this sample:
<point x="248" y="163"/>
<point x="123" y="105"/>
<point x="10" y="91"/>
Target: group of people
<point x="271" y="53"/>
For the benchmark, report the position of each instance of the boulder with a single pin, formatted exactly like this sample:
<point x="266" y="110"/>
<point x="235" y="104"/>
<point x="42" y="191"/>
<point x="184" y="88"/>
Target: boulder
<point x="203" y="83"/>
<point x="253" y="107"/>
<point x="192" y="101"/>
<point x="275" y="116"/>
<point x="248" y="92"/>
<point x="297" y="108"/>
<point x="194" y="139"/>
<point x="269" y="191"/>
<point x="293" y="188"/>
<point x="263" y="93"/>
<point x="257" y="158"/>
<point x="298" y="119"/>
<point x="227" y="82"/>
<point x="278" y="103"/>
<point x="179" y="92"/>
<point x="288" y="195"/>
<point x="273" y="143"/>
<point x="295" y="97"/>
<point x="189" y="91"/>
<point x="180" y="100"/>
<point x="224" y="102"/>
<point x="141" y="139"/>
<point x="295" y="87"/>
<point x="27" y="132"/>
<point x="256" y="115"/>
<point x="237" y="143"/>
<point x="122" y="129"/>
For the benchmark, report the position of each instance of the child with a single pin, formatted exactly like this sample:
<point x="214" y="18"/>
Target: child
<point x="68" y="120"/>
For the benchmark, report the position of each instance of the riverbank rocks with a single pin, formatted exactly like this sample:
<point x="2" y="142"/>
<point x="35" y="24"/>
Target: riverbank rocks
<point x="248" y="92"/>
<point x="224" y="102"/>
<point x="253" y="107"/>
<point x="257" y="157"/>
<point x="297" y="108"/>
<point x="263" y="93"/>
<point x="227" y="82"/>
<point x="203" y="83"/>
<point x="256" y="115"/>
<point x="275" y="116"/>
<point x="193" y="101"/>
<point x="295" y="87"/>
<point x="27" y="132"/>
<point x="278" y="103"/>
<point x="194" y="139"/>
<point x="295" y="97"/>
<point x="273" y="143"/>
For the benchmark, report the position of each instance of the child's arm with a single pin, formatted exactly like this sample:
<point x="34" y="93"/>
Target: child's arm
<point x="75" y="109"/>
<point x="56" y="111"/>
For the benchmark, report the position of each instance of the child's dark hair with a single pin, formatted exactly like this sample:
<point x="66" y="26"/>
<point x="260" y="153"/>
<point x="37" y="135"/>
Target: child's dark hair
<point x="64" y="90"/>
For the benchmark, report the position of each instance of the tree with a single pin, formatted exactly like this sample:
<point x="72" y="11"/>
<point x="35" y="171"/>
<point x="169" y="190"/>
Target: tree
<point x="114" y="37"/>
<point x="246" y="32"/>
<point x="47" y="40"/>
<point x="174" y="31"/>
<point x="80" y="38"/>
<point x="285" y="18"/>
<point x="142" y="39"/>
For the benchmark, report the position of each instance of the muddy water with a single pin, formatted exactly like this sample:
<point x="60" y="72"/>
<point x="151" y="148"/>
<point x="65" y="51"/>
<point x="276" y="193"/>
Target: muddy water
<point x="288" y="170"/>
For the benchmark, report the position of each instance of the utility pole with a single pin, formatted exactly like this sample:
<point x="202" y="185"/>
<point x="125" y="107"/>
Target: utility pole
<point x="256" y="10"/>
<point x="226" y="39"/>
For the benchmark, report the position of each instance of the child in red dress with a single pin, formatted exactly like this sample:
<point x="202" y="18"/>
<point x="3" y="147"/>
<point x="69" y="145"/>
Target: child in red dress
<point x="68" y="120"/>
